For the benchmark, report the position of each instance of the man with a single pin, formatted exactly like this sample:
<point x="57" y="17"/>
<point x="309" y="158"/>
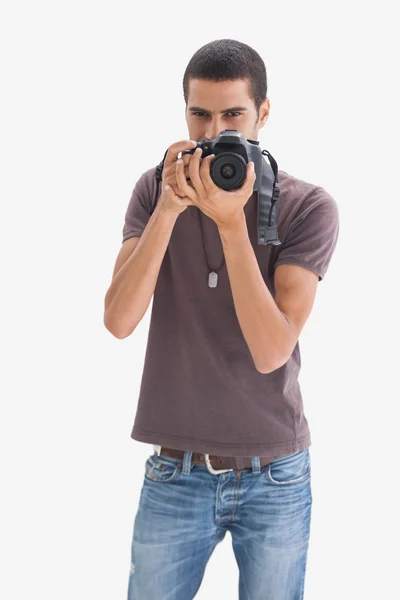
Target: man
<point x="219" y="398"/>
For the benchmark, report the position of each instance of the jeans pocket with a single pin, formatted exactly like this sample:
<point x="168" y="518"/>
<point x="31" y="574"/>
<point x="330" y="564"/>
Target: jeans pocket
<point x="289" y="469"/>
<point x="162" y="469"/>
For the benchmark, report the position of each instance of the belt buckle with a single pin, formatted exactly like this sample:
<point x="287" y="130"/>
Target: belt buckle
<point x="211" y="468"/>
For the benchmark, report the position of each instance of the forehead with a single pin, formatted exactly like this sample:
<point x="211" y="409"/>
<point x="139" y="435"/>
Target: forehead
<point x="218" y="95"/>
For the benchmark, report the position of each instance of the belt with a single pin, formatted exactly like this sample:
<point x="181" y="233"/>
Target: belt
<point x="218" y="464"/>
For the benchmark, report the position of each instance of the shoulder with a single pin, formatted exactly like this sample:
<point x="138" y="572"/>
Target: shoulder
<point x="299" y="198"/>
<point x="145" y="188"/>
<point x="147" y="180"/>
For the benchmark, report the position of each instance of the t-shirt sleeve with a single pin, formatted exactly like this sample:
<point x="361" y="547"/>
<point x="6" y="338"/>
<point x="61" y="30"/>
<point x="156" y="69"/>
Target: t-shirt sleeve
<point x="139" y="208"/>
<point x="312" y="236"/>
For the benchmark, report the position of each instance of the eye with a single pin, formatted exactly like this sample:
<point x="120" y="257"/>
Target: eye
<point x="202" y="114"/>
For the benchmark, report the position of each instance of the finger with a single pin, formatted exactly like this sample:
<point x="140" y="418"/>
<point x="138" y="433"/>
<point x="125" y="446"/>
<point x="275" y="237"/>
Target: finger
<point x="175" y="189"/>
<point x="186" y="171"/>
<point x="208" y="183"/>
<point x="180" y="200"/>
<point x="250" y="176"/>
<point x="186" y="159"/>
<point x="169" y="173"/>
<point x="172" y="181"/>
<point x="248" y="184"/>
<point x="182" y="183"/>
<point x="169" y="176"/>
<point x="169" y="169"/>
<point x="175" y="149"/>
<point x="194" y="172"/>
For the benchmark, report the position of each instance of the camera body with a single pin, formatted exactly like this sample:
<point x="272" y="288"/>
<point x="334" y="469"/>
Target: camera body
<point x="232" y="153"/>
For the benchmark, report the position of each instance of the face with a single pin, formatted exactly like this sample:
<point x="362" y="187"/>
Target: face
<point x="214" y="106"/>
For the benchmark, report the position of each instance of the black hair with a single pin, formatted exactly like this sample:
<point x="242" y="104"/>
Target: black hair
<point x="227" y="60"/>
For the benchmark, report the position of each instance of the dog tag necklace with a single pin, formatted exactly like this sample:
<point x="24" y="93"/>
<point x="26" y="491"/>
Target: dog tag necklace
<point x="213" y="273"/>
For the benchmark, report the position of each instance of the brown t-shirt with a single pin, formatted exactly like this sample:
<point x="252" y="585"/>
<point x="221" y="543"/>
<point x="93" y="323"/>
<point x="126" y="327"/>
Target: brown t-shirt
<point x="200" y="389"/>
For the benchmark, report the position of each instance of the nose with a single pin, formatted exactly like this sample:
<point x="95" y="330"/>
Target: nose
<point x="213" y="130"/>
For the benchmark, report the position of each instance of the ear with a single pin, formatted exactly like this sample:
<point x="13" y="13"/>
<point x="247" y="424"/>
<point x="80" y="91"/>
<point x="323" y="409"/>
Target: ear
<point x="264" y="112"/>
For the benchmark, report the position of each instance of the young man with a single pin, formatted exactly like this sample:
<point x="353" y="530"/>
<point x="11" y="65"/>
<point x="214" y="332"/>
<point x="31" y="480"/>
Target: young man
<point x="220" y="399"/>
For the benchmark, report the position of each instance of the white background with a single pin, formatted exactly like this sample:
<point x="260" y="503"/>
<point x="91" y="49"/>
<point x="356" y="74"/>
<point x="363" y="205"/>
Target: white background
<point x="91" y="97"/>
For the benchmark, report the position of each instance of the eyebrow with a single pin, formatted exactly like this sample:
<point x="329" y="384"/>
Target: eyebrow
<point x="233" y="109"/>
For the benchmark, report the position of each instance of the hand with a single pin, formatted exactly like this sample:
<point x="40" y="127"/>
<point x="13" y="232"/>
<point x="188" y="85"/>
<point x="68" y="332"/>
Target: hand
<point x="174" y="200"/>
<point x="224" y="207"/>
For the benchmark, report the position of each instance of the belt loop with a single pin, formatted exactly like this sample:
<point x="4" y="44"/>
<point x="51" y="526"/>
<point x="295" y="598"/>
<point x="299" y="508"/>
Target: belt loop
<point x="255" y="464"/>
<point x="239" y="463"/>
<point x="187" y="459"/>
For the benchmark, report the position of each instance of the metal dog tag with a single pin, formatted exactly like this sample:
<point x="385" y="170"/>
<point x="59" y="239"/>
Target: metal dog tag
<point x="213" y="279"/>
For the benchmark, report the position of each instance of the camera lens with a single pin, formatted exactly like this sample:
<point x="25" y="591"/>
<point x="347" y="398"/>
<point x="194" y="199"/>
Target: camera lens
<point x="228" y="171"/>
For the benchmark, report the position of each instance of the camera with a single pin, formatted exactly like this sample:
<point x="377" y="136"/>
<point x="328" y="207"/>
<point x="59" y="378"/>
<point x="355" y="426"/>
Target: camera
<point x="228" y="171"/>
<point x="232" y="153"/>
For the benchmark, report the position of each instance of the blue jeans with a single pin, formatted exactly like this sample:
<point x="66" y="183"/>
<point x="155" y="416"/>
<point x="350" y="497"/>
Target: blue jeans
<point x="185" y="511"/>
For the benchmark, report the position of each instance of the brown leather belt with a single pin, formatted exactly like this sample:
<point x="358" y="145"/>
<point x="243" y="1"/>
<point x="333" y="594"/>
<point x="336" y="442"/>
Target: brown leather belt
<point x="218" y="462"/>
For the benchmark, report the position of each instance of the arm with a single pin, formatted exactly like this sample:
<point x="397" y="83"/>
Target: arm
<point x="133" y="284"/>
<point x="270" y="327"/>
<point x="139" y="260"/>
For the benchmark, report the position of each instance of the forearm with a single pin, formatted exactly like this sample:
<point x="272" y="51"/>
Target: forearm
<point x="264" y="327"/>
<point x="132" y="288"/>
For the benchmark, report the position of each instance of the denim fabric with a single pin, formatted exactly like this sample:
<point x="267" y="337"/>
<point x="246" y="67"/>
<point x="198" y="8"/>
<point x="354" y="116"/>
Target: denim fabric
<point x="185" y="511"/>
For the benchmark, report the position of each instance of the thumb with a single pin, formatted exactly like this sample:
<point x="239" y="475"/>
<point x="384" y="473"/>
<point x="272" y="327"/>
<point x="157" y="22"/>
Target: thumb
<point x="251" y="173"/>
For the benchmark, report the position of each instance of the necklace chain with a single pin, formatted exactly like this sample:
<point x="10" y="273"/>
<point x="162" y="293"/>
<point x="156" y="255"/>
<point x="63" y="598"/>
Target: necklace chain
<point x="213" y="273"/>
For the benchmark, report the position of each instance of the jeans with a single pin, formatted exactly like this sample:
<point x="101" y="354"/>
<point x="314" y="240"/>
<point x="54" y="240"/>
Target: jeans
<point x="185" y="511"/>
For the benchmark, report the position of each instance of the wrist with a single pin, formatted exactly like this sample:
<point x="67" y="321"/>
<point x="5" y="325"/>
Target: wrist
<point x="166" y="210"/>
<point x="236" y="223"/>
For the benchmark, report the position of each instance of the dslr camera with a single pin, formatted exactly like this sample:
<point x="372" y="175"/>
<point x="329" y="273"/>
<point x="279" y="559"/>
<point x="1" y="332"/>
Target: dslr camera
<point x="232" y="153"/>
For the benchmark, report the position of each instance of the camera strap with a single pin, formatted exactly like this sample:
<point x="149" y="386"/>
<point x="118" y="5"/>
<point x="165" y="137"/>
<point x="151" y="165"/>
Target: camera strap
<point x="267" y="198"/>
